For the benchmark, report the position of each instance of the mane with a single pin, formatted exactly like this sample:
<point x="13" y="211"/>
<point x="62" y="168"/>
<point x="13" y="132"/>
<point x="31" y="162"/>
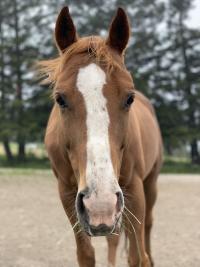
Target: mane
<point x="93" y="46"/>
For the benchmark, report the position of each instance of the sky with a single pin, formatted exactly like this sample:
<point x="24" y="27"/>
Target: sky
<point x="194" y="19"/>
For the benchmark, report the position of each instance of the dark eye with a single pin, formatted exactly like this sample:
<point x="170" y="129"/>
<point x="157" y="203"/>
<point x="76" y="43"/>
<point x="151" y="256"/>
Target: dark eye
<point x="61" y="100"/>
<point x="129" y="100"/>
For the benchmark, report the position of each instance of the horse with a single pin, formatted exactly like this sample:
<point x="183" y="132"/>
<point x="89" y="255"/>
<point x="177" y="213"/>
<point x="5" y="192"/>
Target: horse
<point x="103" y="141"/>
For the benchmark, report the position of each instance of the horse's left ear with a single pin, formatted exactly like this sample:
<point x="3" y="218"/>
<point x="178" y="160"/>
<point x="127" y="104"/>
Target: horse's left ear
<point x="119" y="31"/>
<point x="65" y="31"/>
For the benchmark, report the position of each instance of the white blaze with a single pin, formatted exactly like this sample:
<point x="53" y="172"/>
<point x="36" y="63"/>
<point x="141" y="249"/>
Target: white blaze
<point x="99" y="169"/>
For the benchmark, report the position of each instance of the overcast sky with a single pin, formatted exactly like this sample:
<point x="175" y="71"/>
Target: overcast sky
<point x="194" y="20"/>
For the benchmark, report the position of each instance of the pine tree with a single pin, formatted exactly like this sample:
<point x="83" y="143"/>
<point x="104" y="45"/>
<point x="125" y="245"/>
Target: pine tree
<point x="184" y="69"/>
<point x="5" y="88"/>
<point x="24" y="27"/>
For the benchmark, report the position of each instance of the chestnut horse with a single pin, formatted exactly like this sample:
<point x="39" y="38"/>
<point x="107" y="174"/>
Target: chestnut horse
<point x="103" y="142"/>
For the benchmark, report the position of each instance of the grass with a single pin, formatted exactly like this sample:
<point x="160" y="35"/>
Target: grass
<point x="37" y="159"/>
<point x="174" y="164"/>
<point x="181" y="167"/>
<point x="31" y="162"/>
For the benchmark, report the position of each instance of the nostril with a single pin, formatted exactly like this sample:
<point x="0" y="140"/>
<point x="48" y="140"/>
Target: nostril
<point x="120" y="201"/>
<point x="80" y="207"/>
<point x="79" y="203"/>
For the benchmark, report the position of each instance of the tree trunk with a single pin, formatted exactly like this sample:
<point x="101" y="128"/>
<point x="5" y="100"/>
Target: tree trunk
<point x="7" y="149"/>
<point x="194" y="153"/>
<point x="21" y="150"/>
<point x="195" y="157"/>
<point x="20" y="135"/>
<point x="4" y="138"/>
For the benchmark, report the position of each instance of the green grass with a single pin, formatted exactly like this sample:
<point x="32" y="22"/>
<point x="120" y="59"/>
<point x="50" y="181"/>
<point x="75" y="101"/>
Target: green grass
<point x="30" y="162"/>
<point x="37" y="159"/>
<point x="171" y="166"/>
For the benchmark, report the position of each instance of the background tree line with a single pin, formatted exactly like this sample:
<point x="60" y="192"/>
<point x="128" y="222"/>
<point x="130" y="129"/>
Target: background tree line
<point x="163" y="57"/>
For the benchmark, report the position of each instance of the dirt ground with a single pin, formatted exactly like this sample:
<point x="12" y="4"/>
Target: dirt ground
<point x="34" y="231"/>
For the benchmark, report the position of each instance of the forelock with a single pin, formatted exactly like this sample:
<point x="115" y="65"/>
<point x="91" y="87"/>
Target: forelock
<point x="94" y="47"/>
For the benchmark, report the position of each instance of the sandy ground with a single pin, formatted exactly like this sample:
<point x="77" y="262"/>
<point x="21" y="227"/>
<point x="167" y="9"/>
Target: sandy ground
<point x="34" y="231"/>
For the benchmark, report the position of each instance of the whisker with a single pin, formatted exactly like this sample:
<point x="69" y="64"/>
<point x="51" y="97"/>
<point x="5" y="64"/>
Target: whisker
<point x="114" y="234"/>
<point x="72" y="215"/>
<point x="75" y="225"/>
<point x="80" y="230"/>
<point x="136" y="239"/>
<point x="125" y="228"/>
<point x="132" y="215"/>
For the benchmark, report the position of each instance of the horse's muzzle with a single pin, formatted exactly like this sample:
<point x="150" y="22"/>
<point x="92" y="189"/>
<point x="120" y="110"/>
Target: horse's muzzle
<point x="99" y="214"/>
<point x="100" y="230"/>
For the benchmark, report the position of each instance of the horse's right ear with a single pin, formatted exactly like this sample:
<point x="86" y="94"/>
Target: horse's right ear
<point x="65" y="31"/>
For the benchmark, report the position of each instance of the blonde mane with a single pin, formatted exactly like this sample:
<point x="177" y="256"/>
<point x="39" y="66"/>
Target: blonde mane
<point x="95" y="47"/>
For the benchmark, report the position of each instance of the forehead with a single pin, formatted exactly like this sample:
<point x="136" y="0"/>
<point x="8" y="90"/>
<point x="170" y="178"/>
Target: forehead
<point x="90" y="80"/>
<point x="91" y="76"/>
<point x="92" y="50"/>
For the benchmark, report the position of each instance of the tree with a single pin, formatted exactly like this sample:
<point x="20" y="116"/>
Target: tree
<point x="5" y="118"/>
<point x="22" y="28"/>
<point x="184" y="66"/>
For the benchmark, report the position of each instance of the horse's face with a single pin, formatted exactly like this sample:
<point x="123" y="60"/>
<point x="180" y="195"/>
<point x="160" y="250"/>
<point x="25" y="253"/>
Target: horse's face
<point x="94" y="106"/>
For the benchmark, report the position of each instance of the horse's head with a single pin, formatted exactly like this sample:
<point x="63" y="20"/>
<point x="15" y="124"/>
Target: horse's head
<point x="93" y="94"/>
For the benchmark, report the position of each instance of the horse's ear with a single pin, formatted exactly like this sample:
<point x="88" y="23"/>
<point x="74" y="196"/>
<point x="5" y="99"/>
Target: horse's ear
<point x="119" y="31"/>
<point x="65" y="31"/>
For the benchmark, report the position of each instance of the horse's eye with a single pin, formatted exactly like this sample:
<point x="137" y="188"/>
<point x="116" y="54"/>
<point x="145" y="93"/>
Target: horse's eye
<point x="61" y="100"/>
<point x="129" y="100"/>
